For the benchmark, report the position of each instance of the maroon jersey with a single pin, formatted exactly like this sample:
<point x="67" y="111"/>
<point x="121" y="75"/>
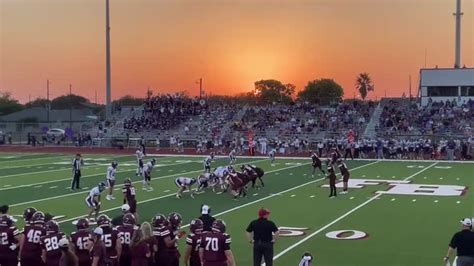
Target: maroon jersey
<point x="237" y="181"/>
<point x="125" y="233"/>
<point x="79" y="239"/>
<point x="215" y="244"/>
<point x="50" y="243"/>
<point x="194" y="240"/>
<point x="109" y="238"/>
<point x="32" y="243"/>
<point x="98" y="250"/>
<point x="332" y="175"/>
<point x="129" y="193"/>
<point x="7" y="239"/>
<point x="166" y="255"/>
<point x="139" y="253"/>
<point x="316" y="160"/>
<point x="343" y="168"/>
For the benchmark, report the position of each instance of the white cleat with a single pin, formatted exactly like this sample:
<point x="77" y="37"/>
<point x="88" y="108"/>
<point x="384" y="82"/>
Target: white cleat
<point x="178" y="196"/>
<point x="150" y="189"/>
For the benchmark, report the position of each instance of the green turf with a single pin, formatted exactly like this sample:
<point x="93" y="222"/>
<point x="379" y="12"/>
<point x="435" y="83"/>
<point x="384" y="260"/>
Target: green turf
<point x="400" y="231"/>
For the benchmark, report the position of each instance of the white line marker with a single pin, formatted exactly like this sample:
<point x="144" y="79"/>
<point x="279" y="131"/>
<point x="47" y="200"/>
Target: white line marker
<point x="167" y="190"/>
<point x="292" y="196"/>
<point x="305" y="174"/>
<point x="363" y="175"/>
<point x="351" y="198"/>
<point x="291" y="173"/>
<point x="393" y="199"/>
<point x="378" y="176"/>
<point x="458" y="202"/>
<point x="255" y="194"/>
<point x="436" y="201"/>
<point x="414" y="200"/>
<point x="53" y="187"/>
<point x="393" y="176"/>
<point x="440" y="178"/>
<point x="117" y="188"/>
<point x="38" y="186"/>
<point x="425" y="177"/>
<point x="457" y="178"/>
<point x="7" y="185"/>
<point x="312" y="196"/>
<point x="85" y="188"/>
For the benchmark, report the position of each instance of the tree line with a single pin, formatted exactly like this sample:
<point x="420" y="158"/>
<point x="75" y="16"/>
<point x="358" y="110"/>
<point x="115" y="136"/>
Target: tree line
<point x="319" y="91"/>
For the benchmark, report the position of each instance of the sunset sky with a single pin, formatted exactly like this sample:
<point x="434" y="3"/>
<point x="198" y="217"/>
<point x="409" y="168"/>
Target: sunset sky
<point x="168" y="44"/>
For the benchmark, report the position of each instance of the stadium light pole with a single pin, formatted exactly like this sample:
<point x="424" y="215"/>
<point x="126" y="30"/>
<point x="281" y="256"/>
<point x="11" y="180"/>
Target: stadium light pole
<point x="48" y="105"/>
<point x="108" y="93"/>
<point x="70" y="105"/>
<point x="457" y="52"/>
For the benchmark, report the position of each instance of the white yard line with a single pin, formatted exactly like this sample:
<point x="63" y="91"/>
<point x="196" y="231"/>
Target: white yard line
<point x="83" y="191"/>
<point x="376" y="196"/>
<point x="69" y="179"/>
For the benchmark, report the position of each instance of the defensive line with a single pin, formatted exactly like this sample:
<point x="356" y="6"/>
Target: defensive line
<point x="376" y="196"/>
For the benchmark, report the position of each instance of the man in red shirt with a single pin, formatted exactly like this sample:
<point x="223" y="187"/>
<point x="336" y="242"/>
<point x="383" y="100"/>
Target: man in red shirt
<point x="79" y="240"/>
<point x="50" y="243"/>
<point x="214" y="249"/>
<point x="10" y="239"/>
<point x="112" y="242"/>
<point x="31" y="250"/>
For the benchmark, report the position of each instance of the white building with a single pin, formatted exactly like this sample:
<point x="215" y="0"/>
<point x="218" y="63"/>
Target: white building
<point x="441" y="84"/>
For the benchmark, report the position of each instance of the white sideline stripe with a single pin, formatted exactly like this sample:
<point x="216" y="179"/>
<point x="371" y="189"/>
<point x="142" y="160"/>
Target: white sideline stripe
<point x="342" y="217"/>
<point x="69" y="179"/>
<point x="305" y="158"/>
<point x="40" y="158"/>
<point x="174" y="194"/>
<point x="83" y="192"/>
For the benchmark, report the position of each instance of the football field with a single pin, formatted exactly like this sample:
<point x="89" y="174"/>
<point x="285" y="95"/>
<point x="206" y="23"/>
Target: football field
<point x="396" y="212"/>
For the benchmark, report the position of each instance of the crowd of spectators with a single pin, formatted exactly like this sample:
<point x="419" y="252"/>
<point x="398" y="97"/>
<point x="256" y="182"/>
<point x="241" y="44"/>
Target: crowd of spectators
<point x="437" y="118"/>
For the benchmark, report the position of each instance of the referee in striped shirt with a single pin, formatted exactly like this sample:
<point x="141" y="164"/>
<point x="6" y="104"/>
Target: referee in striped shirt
<point x="77" y="163"/>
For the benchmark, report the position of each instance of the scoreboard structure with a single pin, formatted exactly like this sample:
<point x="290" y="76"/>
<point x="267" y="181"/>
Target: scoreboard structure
<point x="446" y="84"/>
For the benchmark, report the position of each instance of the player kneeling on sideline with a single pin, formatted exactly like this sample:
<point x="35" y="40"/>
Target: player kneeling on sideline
<point x="111" y="179"/>
<point x="51" y="252"/>
<point x="184" y="183"/>
<point x="93" y="200"/>
<point x="191" y="256"/>
<point x="147" y="175"/>
<point x="214" y="249"/>
<point x="345" y="175"/>
<point x="110" y="237"/>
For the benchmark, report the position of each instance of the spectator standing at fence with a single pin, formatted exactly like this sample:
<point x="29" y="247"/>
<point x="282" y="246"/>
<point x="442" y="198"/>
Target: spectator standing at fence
<point x="262" y="233"/>
<point x="451" y="145"/>
<point x="77" y="164"/>
<point x="463" y="243"/>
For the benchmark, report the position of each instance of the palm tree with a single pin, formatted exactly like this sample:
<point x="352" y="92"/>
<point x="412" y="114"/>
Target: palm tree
<point x="364" y="84"/>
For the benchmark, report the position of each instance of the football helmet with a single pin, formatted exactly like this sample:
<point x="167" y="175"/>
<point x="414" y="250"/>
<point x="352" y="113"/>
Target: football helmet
<point x="159" y="220"/>
<point x="175" y="219"/>
<point x="127" y="182"/>
<point x="82" y="223"/>
<point x="103" y="221"/>
<point x="129" y="219"/>
<point x="218" y="226"/>
<point x="196" y="226"/>
<point x="51" y="226"/>
<point x="114" y="164"/>
<point x="38" y="218"/>
<point x="5" y="220"/>
<point x="28" y="213"/>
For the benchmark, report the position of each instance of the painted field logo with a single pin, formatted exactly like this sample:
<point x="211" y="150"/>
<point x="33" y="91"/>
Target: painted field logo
<point x="291" y="231"/>
<point x="347" y="235"/>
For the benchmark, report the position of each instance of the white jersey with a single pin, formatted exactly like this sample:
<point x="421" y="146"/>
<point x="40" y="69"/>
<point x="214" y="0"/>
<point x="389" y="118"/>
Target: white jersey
<point x="139" y="155"/>
<point x="148" y="167"/>
<point x="111" y="173"/>
<point x="185" y="181"/>
<point x="221" y="171"/>
<point x="207" y="161"/>
<point x="94" y="192"/>
<point x="272" y="153"/>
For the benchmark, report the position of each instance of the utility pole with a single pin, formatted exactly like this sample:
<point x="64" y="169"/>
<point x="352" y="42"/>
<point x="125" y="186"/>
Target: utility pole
<point x="48" y="105"/>
<point x="457" y="50"/>
<point x="108" y="97"/>
<point x="200" y="88"/>
<point x="95" y="96"/>
<point x="70" y="106"/>
<point x="409" y="86"/>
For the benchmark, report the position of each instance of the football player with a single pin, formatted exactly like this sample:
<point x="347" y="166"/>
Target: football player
<point x="207" y="162"/>
<point x="50" y="243"/>
<point x="214" y="249"/>
<point x="316" y="164"/>
<point x="31" y="249"/>
<point x="111" y="239"/>
<point x="11" y="239"/>
<point x="221" y="172"/>
<point x="111" y="170"/>
<point x="232" y="157"/>
<point x="147" y="175"/>
<point x="125" y="233"/>
<point x="332" y="180"/>
<point x="205" y="180"/>
<point x="140" y="156"/>
<point x="272" y="154"/>
<point x="183" y="184"/>
<point x="253" y="172"/>
<point x="193" y="241"/>
<point x="79" y="240"/>
<point x="129" y="194"/>
<point x="173" y="234"/>
<point x="93" y="200"/>
<point x="345" y="175"/>
<point x="237" y="182"/>
<point x="160" y="232"/>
